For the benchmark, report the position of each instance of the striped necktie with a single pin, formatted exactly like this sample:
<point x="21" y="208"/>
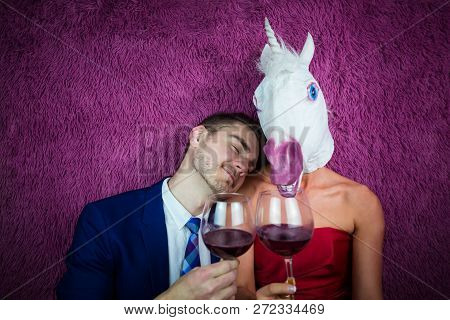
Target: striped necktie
<point x="191" y="255"/>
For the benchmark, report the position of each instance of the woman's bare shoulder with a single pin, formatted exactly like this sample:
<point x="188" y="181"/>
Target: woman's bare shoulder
<point x="253" y="185"/>
<point x="363" y="202"/>
<point x="354" y="189"/>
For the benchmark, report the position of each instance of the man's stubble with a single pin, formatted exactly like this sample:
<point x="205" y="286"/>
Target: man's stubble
<point x="208" y="170"/>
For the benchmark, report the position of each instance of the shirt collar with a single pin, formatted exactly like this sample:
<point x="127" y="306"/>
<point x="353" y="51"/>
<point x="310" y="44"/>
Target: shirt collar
<point x="179" y="214"/>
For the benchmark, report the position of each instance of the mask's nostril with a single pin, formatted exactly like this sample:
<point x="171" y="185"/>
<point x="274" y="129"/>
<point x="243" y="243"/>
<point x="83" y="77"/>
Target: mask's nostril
<point x="288" y="191"/>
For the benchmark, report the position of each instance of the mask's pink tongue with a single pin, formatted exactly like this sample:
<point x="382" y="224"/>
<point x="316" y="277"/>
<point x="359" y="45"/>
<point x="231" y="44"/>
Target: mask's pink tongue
<point x="286" y="160"/>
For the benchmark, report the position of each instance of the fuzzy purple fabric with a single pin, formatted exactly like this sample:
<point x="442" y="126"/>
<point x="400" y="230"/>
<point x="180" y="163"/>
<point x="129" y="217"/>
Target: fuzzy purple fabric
<point x="97" y="97"/>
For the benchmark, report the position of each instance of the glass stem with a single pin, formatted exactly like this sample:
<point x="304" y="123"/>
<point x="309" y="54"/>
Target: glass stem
<point x="290" y="274"/>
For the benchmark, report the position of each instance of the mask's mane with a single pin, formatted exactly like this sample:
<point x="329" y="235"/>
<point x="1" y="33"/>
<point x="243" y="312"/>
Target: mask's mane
<point x="288" y="60"/>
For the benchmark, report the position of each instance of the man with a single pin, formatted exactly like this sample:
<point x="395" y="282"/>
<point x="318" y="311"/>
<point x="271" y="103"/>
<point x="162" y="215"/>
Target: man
<point x="144" y="244"/>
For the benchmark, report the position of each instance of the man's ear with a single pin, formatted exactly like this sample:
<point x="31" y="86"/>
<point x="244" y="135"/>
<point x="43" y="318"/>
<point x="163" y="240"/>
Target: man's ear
<point x="196" y="135"/>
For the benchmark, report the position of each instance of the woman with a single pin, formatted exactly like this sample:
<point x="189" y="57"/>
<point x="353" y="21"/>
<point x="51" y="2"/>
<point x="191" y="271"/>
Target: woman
<point x="343" y="259"/>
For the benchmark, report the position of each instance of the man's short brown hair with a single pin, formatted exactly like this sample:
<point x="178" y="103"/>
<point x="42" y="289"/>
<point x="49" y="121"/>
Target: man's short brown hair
<point x="216" y="121"/>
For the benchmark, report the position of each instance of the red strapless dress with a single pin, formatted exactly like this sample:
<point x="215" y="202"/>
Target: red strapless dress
<point x="322" y="270"/>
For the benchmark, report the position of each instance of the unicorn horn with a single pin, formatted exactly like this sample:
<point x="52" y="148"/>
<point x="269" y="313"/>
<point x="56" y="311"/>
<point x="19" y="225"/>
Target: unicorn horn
<point x="273" y="43"/>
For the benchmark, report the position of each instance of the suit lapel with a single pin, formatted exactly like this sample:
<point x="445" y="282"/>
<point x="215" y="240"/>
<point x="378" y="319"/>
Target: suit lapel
<point x="154" y="233"/>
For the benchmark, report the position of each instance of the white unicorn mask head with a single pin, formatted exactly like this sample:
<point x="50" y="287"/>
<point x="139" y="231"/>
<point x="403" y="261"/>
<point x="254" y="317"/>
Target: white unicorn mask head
<point x="293" y="114"/>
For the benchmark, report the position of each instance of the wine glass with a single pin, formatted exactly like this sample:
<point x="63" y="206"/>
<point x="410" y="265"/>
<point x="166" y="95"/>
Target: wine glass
<point x="227" y="227"/>
<point x="284" y="225"/>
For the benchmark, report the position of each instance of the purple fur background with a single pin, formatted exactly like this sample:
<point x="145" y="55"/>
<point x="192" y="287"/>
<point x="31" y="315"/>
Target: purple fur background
<point x="97" y="97"/>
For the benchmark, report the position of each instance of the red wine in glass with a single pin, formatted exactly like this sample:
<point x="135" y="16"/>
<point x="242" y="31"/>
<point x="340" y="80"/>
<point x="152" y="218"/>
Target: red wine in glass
<point x="228" y="243"/>
<point x="284" y="239"/>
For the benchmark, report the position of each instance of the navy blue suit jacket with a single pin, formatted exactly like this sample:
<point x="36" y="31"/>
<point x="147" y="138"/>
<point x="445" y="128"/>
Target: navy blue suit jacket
<point x="119" y="249"/>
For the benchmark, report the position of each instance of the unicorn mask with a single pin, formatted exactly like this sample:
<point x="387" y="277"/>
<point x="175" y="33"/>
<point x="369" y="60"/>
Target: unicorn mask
<point x="293" y="114"/>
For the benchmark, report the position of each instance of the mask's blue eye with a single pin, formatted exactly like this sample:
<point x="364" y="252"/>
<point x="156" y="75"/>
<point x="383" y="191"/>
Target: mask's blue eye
<point x="313" y="91"/>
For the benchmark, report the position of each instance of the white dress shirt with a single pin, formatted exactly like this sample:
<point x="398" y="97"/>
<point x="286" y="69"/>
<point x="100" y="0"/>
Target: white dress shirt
<point x="176" y="217"/>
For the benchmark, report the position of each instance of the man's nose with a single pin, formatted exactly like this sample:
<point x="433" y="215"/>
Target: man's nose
<point x="240" y="167"/>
